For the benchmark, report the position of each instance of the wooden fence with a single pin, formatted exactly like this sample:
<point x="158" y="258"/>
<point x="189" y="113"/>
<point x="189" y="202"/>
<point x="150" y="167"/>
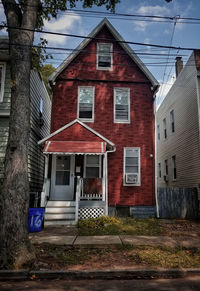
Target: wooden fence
<point x="178" y="202"/>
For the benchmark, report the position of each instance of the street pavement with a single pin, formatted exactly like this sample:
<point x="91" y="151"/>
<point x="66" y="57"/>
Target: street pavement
<point x="180" y="284"/>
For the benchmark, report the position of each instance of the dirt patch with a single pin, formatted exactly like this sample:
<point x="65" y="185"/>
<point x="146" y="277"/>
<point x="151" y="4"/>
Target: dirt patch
<point x="180" y="227"/>
<point x="51" y="257"/>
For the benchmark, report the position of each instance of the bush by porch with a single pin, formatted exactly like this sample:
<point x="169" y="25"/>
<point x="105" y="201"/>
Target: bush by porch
<point x="105" y="225"/>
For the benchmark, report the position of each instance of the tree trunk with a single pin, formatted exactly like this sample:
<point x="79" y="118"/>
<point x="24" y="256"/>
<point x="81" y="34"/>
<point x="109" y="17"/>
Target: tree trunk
<point x="15" y="248"/>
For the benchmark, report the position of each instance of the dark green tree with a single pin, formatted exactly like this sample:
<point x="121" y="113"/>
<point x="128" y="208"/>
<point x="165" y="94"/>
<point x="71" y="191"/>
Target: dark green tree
<point x="23" y="17"/>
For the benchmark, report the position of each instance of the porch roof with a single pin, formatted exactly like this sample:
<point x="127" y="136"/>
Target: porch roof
<point x="74" y="147"/>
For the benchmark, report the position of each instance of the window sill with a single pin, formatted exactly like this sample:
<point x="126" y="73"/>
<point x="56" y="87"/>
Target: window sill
<point x="86" y="120"/>
<point x="125" y="122"/>
<point x="132" y="185"/>
<point x="104" y="68"/>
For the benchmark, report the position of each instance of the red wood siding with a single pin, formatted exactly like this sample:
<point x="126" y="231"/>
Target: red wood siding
<point x="139" y="133"/>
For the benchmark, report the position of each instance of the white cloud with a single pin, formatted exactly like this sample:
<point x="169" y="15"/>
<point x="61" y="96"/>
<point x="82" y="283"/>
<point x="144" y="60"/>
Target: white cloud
<point x="163" y="90"/>
<point x="140" y="25"/>
<point x="153" y="10"/>
<point x="148" y="10"/>
<point x="65" y="24"/>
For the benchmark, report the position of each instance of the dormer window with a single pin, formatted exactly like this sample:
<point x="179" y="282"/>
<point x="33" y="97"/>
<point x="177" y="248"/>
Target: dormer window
<point x="104" y="56"/>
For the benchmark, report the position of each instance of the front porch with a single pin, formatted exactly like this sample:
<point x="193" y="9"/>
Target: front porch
<point x="75" y="181"/>
<point x="75" y="188"/>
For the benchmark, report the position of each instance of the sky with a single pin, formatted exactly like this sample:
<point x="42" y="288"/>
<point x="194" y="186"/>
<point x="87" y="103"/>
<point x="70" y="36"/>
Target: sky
<point x="170" y="33"/>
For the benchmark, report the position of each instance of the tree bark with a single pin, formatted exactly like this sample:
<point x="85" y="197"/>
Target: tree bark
<point x="15" y="248"/>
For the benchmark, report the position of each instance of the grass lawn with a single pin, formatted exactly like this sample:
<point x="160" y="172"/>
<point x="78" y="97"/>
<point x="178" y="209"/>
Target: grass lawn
<point x="119" y="226"/>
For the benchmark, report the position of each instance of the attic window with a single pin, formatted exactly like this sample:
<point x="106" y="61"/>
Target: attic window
<point x="2" y="80"/>
<point x="104" y="56"/>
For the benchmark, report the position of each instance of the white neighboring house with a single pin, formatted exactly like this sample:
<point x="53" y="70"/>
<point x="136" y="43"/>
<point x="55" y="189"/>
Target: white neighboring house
<point x="40" y="118"/>
<point x="178" y="129"/>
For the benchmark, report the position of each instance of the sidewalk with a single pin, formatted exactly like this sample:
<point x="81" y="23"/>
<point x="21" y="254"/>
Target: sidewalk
<point x="68" y="237"/>
<point x="60" y="236"/>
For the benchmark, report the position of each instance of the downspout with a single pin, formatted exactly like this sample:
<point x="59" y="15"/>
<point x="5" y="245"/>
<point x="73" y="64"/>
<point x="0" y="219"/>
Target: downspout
<point x="106" y="174"/>
<point x="155" y="138"/>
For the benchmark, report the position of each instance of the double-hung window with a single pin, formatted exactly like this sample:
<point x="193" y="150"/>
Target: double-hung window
<point x="172" y="121"/>
<point x="2" y="80"/>
<point x="174" y="174"/>
<point x="166" y="167"/>
<point x="121" y="105"/>
<point x="132" y="166"/>
<point x="158" y="131"/>
<point x="164" y="128"/>
<point x="159" y="170"/>
<point x="86" y="103"/>
<point x="104" y="56"/>
<point x="92" y="167"/>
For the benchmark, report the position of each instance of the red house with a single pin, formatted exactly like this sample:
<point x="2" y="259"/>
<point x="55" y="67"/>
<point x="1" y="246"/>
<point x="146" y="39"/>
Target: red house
<point x="100" y="153"/>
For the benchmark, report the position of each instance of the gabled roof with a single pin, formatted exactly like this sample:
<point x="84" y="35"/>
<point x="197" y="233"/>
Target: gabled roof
<point x="118" y="37"/>
<point x="82" y="124"/>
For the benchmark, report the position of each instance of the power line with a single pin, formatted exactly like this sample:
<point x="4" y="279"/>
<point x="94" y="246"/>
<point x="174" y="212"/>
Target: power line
<point x="99" y="39"/>
<point x="171" y="41"/>
<point x="70" y="50"/>
<point x="84" y="11"/>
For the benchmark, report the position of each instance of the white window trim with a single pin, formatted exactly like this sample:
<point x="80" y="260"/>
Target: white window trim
<point x="85" y="119"/>
<point x="114" y="103"/>
<point x="111" y="53"/>
<point x="3" y="65"/>
<point x="139" y="167"/>
<point x="85" y="165"/>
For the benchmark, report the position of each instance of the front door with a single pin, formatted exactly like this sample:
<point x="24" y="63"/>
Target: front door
<point x="62" y="177"/>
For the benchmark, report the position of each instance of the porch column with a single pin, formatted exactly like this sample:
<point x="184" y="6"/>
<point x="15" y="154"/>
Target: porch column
<point x="45" y="190"/>
<point x="105" y="172"/>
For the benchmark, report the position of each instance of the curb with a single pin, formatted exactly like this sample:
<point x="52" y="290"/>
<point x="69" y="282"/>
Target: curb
<point x="97" y="274"/>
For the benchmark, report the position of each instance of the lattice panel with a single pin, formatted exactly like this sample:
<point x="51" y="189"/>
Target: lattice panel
<point x="85" y="213"/>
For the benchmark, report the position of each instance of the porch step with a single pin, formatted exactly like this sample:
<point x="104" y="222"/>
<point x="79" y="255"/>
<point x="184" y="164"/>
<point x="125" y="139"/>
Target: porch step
<point x="55" y="216"/>
<point x="59" y="222"/>
<point x="56" y="203"/>
<point x="60" y="210"/>
<point x="59" y="213"/>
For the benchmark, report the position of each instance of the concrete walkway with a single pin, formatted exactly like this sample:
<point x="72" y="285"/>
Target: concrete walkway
<point x="58" y="237"/>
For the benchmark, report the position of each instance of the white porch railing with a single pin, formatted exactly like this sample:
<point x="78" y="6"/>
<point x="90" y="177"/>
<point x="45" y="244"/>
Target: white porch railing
<point x="91" y="189"/>
<point x="45" y="192"/>
<point x="78" y="194"/>
<point x="91" y="196"/>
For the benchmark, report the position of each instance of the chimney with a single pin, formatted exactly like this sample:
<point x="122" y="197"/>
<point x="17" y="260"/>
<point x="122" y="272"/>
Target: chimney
<point x="178" y="65"/>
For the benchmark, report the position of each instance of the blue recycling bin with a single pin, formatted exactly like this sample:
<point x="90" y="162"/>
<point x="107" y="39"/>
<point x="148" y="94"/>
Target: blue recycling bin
<point x="35" y="219"/>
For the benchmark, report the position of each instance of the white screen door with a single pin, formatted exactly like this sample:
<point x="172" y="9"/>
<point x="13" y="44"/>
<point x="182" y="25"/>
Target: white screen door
<point x="62" y="177"/>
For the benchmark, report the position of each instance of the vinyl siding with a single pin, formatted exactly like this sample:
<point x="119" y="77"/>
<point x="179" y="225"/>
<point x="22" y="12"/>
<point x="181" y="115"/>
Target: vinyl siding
<point x="5" y="105"/>
<point x="37" y="132"/>
<point x="184" y="142"/>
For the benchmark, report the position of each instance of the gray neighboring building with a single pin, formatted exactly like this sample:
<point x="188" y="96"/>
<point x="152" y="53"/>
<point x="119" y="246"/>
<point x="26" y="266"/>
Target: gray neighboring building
<point x="40" y="118"/>
<point x="178" y="130"/>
